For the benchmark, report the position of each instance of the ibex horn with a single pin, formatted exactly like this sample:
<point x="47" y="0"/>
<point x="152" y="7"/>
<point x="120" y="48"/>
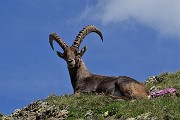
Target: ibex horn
<point x="85" y="31"/>
<point x="54" y="36"/>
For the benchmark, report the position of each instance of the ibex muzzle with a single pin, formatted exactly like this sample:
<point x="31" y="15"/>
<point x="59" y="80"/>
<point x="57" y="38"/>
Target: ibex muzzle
<point x="84" y="81"/>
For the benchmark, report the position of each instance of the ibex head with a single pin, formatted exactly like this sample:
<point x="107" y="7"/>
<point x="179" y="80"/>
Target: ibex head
<point x="72" y="55"/>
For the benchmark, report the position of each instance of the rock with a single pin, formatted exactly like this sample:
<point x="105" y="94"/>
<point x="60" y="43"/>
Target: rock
<point x="153" y="79"/>
<point x="106" y="114"/>
<point x="155" y="88"/>
<point x="131" y="119"/>
<point x="89" y="115"/>
<point x="38" y="110"/>
<point x="146" y="116"/>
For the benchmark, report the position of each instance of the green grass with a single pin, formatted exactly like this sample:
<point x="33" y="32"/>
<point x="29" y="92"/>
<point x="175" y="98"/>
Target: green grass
<point x="104" y="107"/>
<point x="78" y="105"/>
<point x="167" y="80"/>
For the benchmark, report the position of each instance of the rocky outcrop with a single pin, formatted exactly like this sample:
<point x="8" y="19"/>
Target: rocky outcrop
<point x="38" y="110"/>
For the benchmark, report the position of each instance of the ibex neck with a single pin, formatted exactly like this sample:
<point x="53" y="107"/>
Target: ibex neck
<point x="77" y="74"/>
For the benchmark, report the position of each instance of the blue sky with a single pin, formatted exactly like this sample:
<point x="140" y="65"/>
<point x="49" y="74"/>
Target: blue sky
<point x="141" y="39"/>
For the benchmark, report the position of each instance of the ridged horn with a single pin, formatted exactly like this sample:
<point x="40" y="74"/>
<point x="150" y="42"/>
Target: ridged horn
<point x="54" y="36"/>
<point x="85" y="31"/>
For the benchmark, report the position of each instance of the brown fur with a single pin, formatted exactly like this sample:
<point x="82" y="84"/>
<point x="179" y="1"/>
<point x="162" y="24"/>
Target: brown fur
<point x="84" y="81"/>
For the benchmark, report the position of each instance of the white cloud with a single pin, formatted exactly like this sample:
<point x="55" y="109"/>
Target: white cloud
<point x="161" y="15"/>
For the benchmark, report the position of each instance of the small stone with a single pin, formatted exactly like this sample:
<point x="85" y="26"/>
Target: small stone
<point x="130" y="119"/>
<point x="64" y="112"/>
<point x="106" y="114"/>
<point x="89" y="115"/>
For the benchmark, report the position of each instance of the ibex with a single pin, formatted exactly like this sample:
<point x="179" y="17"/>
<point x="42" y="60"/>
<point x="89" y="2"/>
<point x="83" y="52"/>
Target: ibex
<point x="84" y="81"/>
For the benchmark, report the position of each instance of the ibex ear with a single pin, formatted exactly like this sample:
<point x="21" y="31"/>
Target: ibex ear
<point x="83" y="50"/>
<point x="60" y="54"/>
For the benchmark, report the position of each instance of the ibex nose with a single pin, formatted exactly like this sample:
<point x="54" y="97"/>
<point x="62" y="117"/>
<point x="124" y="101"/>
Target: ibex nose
<point x="70" y="60"/>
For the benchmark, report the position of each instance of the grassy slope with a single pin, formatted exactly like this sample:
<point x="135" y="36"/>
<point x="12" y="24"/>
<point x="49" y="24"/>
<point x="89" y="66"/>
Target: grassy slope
<point x="80" y="106"/>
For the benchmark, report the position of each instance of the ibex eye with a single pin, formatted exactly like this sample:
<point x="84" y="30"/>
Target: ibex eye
<point x="64" y="55"/>
<point x="76" y="52"/>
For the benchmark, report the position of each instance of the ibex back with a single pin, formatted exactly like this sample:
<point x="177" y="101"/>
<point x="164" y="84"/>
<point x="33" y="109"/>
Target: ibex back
<point x="84" y="81"/>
